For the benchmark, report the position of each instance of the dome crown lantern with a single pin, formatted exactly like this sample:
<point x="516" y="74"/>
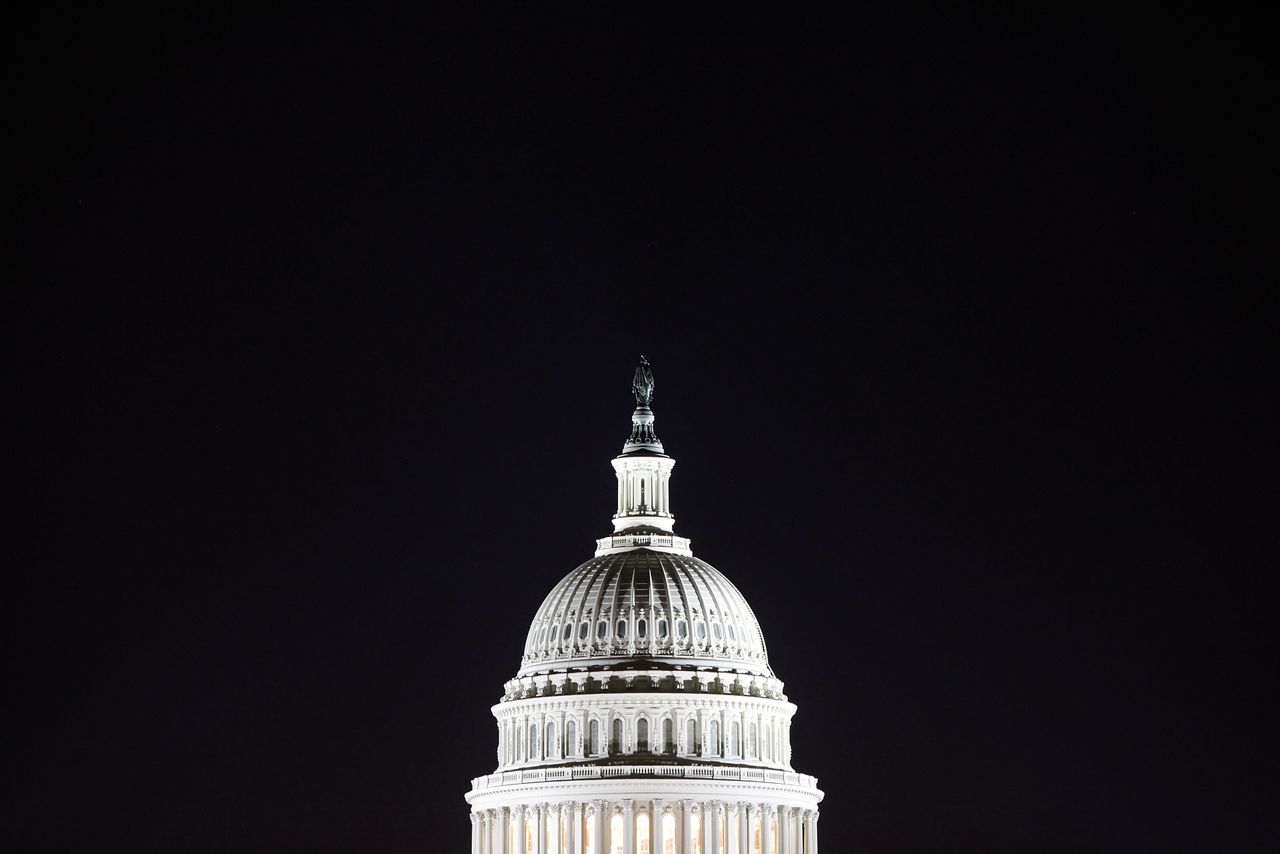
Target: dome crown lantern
<point x="643" y="518"/>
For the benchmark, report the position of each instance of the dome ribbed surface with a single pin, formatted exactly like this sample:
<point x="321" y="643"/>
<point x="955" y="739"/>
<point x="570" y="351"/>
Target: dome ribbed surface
<point x="645" y="604"/>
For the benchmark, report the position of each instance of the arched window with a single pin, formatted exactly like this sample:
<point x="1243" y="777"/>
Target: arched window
<point x="682" y="629"/>
<point x="555" y="633"/>
<point x="642" y="735"/>
<point x="583" y="630"/>
<point x="662" y="629"/>
<point x="571" y="737"/>
<point x="732" y="639"/>
<point x="622" y="629"/>
<point x="542" y="635"/>
<point x="668" y="736"/>
<point x="734" y="735"/>
<point x="700" y="630"/>
<point x="615" y="737"/>
<point x="594" y="732"/>
<point x="712" y="742"/>
<point x="715" y="631"/>
<point x="568" y="632"/>
<point x="602" y="630"/>
<point x="642" y="628"/>
<point x="533" y="741"/>
<point x="691" y="736"/>
<point x="552" y="747"/>
<point x="752" y="748"/>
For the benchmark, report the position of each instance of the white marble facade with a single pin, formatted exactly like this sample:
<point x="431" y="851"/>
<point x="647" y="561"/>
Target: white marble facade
<point x="644" y="718"/>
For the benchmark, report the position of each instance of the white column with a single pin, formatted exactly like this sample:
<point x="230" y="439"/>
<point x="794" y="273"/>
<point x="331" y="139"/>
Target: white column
<point x="601" y="844"/>
<point x="540" y="845"/>
<point x="784" y="832"/>
<point x="717" y="813"/>
<point x="766" y="840"/>
<point x="708" y="819"/>
<point x="655" y="826"/>
<point x="744" y="828"/>
<point x="628" y="827"/>
<point x="575" y="828"/>
<point x="500" y="831"/>
<point x="686" y="827"/>
<point x="811" y="823"/>
<point x="732" y="811"/>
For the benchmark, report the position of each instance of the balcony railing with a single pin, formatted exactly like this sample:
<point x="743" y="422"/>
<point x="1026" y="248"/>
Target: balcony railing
<point x="597" y="772"/>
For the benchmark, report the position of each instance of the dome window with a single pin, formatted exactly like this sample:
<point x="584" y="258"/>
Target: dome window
<point x="583" y="630"/>
<point x="602" y="630"/>
<point x="716" y="631"/>
<point x="555" y="632"/>
<point x="622" y="629"/>
<point x="682" y="629"/>
<point x="732" y="639"/>
<point x="662" y="629"/>
<point x="542" y="635"/>
<point x="642" y="628"/>
<point x="568" y="632"/>
<point x="700" y="629"/>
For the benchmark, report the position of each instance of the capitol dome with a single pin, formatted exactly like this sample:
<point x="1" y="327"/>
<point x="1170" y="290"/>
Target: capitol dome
<point x="644" y="717"/>
<point x="645" y="606"/>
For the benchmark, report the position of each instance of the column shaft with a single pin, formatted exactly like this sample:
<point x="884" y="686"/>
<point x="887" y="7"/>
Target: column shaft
<point x="628" y="827"/>
<point x="766" y="838"/>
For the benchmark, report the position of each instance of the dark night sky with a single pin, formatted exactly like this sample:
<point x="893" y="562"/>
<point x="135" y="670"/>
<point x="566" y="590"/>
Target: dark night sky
<point x="323" y="347"/>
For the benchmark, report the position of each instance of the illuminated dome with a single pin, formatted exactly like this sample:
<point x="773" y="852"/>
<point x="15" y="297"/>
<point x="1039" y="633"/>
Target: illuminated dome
<point x="645" y="718"/>
<point x="656" y="606"/>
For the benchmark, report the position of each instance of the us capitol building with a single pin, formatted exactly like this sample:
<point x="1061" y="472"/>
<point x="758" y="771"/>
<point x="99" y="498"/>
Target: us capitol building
<point x="644" y="718"/>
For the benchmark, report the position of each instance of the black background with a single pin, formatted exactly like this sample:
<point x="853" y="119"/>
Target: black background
<point x="961" y="342"/>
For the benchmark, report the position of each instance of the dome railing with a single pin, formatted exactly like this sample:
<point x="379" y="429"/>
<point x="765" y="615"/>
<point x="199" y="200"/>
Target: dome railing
<point x="598" y="772"/>
<point x="634" y="541"/>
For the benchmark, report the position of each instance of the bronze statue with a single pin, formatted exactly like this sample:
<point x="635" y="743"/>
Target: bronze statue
<point x="642" y="385"/>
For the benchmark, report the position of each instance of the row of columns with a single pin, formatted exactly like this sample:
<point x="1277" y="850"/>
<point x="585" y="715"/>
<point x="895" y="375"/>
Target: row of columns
<point x="772" y="741"/>
<point x="655" y="496"/>
<point x="586" y="828"/>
